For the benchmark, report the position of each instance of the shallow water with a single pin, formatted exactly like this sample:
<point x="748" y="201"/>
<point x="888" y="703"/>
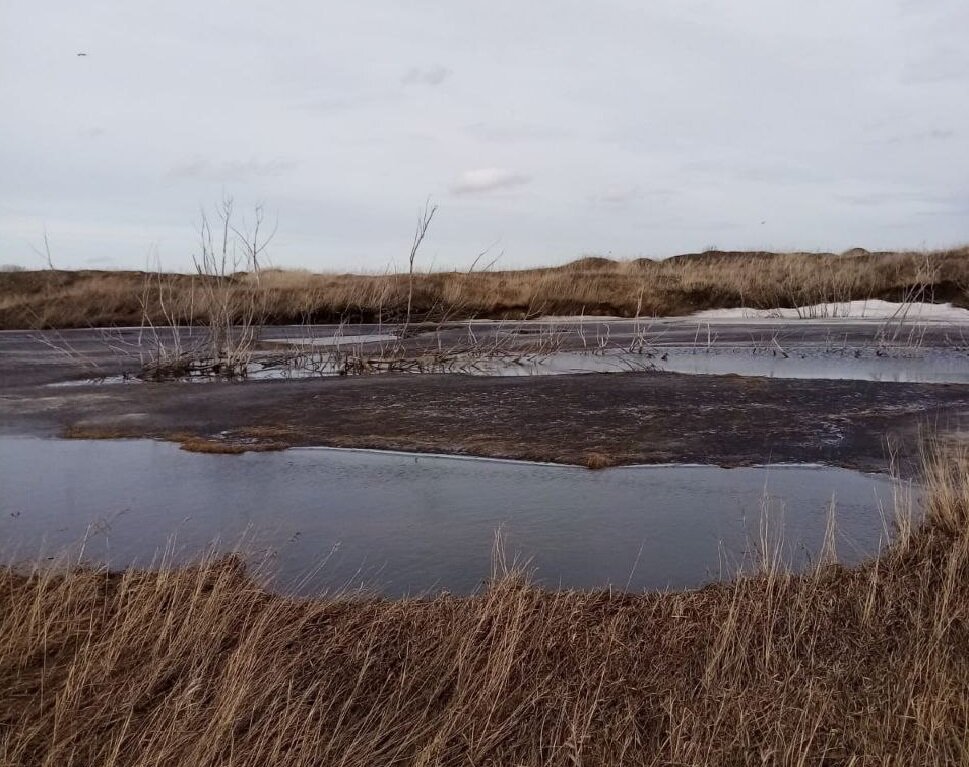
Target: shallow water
<point x="402" y="523"/>
<point x="932" y="366"/>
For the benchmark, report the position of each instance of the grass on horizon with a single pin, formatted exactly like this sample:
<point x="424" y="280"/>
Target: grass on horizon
<point x="590" y="286"/>
<point x="202" y="666"/>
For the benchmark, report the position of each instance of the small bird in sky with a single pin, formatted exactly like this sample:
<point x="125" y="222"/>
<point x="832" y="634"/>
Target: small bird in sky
<point x="82" y="54"/>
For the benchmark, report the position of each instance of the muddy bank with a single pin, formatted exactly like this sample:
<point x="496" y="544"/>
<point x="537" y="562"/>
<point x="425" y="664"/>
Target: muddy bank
<point x="623" y="418"/>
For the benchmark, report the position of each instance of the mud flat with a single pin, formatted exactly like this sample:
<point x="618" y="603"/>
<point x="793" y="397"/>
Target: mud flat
<point x="649" y="416"/>
<point x="627" y="418"/>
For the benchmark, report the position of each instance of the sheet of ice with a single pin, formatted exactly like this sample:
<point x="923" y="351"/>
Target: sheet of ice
<point x="898" y="365"/>
<point x="332" y="341"/>
<point x="874" y="309"/>
<point x="891" y="366"/>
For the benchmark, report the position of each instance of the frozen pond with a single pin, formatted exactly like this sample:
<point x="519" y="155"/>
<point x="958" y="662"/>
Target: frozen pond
<point x="931" y="366"/>
<point x="934" y="366"/>
<point x="402" y="523"/>
<point x="335" y="341"/>
<point x="917" y="366"/>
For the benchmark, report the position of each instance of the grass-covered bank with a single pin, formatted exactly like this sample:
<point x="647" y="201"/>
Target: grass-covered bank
<point x="592" y="286"/>
<point x="202" y="666"/>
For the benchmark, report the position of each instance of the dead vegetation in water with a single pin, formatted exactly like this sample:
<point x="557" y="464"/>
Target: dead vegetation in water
<point x="202" y="666"/>
<point x="591" y="286"/>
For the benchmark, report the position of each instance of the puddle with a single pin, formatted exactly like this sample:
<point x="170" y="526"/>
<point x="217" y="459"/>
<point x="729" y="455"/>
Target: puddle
<point x="407" y="524"/>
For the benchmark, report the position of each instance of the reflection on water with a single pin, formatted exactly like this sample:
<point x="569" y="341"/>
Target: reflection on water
<point x="920" y="366"/>
<point x="407" y="524"/>
<point x="932" y="366"/>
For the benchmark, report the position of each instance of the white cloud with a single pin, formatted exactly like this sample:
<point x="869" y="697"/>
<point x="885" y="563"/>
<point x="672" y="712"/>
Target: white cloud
<point x="483" y="180"/>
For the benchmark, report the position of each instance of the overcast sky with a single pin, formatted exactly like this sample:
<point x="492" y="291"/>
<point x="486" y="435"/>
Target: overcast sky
<point x="545" y="129"/>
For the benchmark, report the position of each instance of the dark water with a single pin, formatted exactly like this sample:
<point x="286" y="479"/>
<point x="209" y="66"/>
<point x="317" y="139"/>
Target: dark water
<point x="406" y="524"/>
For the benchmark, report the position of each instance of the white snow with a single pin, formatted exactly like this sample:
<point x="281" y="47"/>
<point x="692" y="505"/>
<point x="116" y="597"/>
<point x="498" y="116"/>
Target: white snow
<point x="874" y="309"/>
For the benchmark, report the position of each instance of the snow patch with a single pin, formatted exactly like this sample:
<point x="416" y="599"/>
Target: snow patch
<point x="874" y="309"/>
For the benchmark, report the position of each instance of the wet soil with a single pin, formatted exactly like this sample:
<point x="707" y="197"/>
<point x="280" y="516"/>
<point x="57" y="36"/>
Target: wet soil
<point x="619" y="418"/>
<point x="628" y="418"/>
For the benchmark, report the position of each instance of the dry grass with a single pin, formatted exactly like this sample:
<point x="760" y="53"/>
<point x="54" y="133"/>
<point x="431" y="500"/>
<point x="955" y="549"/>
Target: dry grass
<point x="596" y="460"/>
<point x="255" y="440"/>
<point x="210" y="445"/>
<point x="202" y="666"/>
<point x="590" y="286"/>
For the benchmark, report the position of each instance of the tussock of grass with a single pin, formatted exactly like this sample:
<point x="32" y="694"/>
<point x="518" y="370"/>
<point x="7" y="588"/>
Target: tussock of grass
<point x="594" y="460"/>
<point x="227" y="447"/>
<point x="202" y="666"/>
<point x="589" y="286"/>
<point x="255" y="440"/>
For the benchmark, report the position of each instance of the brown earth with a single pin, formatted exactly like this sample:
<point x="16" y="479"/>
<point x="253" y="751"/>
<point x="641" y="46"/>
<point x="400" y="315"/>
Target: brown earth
<point x="581" y="419"/>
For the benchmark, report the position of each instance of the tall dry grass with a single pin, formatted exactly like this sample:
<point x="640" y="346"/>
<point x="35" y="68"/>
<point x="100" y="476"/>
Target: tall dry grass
<point x="202" y="666"/>
<point x="642" y="287"/>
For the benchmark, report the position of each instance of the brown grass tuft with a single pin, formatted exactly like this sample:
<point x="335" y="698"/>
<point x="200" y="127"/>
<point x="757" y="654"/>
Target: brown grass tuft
<point x="594" y="460"/>
<point x="202" y="666"/>
<point x="227" y="447"/>
<point x="255" y="440"/>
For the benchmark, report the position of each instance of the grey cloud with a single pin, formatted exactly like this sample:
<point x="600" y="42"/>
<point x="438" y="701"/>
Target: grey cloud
<point x="482" y="180"/>
<point x="236" y="171"/>
<point x="910" y="198"/>
<point x="939" y="65"/>
<point x="430" y="76"/>
<point x="343" y="117"/>
<point x="331" y="103"/>
<point x="757" y="171"/>
<point x="619" y="195"/>
<point x="514" y="132"/>
<point x="936" y="134"/>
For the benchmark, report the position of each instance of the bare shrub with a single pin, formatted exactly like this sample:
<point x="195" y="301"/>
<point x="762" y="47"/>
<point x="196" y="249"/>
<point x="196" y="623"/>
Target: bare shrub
<point x="226" y="298"/>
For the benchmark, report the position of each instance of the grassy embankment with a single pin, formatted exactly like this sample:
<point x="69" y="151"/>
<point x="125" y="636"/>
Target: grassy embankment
<point x="642" y="287"/>
<point x="202" y="666"/>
